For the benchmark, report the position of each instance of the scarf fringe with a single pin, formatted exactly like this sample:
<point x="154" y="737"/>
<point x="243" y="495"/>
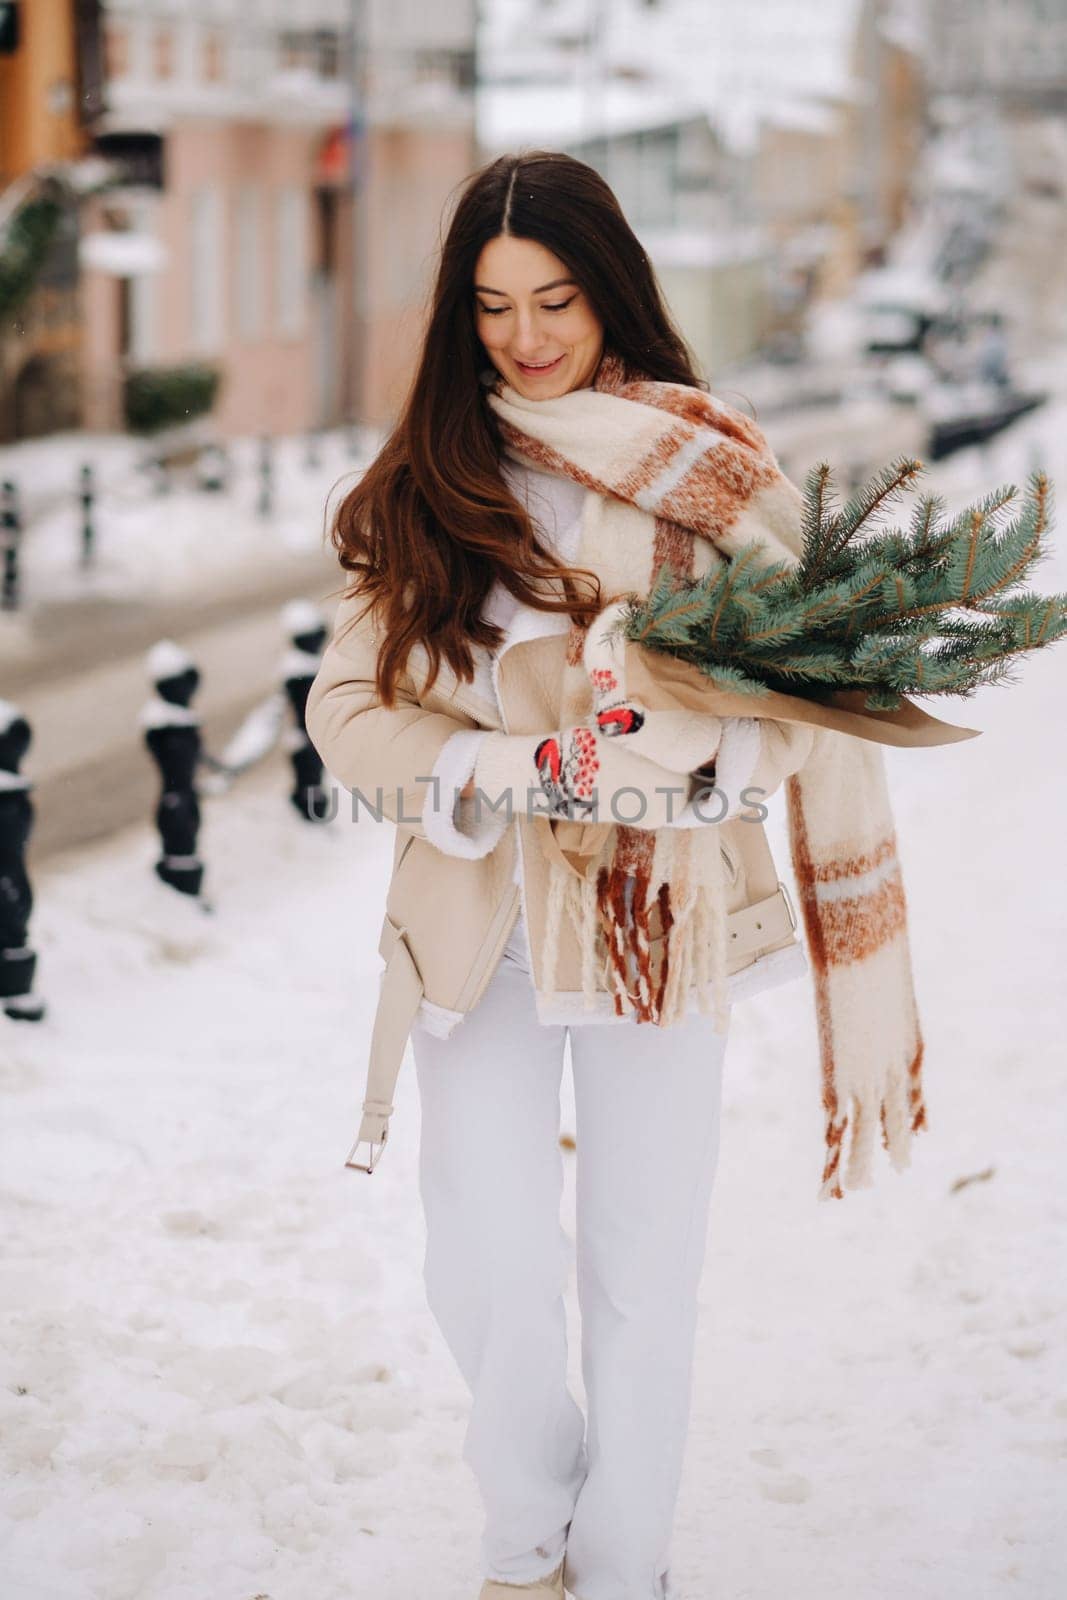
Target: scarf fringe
<point x="895" y="1108"/>
<point x="609" y="913"/>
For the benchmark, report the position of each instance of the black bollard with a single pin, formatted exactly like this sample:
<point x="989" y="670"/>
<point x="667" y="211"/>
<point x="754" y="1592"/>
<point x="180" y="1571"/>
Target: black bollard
<point x="87" y="495"/>
<point x="213" y="469"/>
<point x="172" y="734"/>
<point x="312" y="455"/>
<point x="307" y="637"/>
<point x="17" y="961"/>
<point x="266" y="476"/>
<point x="10" y="537"/>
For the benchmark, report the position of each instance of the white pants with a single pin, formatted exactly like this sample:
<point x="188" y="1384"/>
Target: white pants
<point x="491" y="1177"/>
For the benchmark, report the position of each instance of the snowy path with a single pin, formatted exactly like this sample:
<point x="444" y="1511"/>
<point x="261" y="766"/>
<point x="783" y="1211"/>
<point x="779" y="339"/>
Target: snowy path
<point x="220" y="1380"/>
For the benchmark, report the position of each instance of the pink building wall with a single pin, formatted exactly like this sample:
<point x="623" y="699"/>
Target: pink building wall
<point x="414" y="173"/>
<point x="101" y="375"/>
<point x="281" y="383"/>
<point x="267" y="380"/>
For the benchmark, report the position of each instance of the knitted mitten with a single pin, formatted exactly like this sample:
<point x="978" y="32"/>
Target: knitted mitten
<point x="579" y="774"/>
<point x="681" y="741"/>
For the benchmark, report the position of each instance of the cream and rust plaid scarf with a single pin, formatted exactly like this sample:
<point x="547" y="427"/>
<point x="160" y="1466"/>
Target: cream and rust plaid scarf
<point x="687" y="480"/>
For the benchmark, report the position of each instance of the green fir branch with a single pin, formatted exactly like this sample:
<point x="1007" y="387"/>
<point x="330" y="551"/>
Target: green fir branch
<point x="936" y="607"/>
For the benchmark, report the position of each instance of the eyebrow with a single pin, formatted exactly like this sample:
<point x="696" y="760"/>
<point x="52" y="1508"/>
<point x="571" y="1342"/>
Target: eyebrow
<point x="557" y="283"/>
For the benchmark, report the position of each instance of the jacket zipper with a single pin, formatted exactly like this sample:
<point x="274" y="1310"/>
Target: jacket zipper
<point x="460" y="700"/>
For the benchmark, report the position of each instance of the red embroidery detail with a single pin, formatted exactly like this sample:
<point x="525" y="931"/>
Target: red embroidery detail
<point x="548" y="759"/>
<point x="619" y="720"/>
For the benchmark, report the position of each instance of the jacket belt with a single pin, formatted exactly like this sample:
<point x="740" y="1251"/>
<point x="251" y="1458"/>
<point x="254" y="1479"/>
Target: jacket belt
<point x="764" y="923"/>
<point x="398" y="1003"/>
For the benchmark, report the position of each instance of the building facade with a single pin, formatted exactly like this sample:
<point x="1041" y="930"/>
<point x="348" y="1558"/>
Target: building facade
<point x="233" y="130"/>
<point x="764" y="154"/>
<point x="1014" y="50"/>
<point x="49" y="89"/>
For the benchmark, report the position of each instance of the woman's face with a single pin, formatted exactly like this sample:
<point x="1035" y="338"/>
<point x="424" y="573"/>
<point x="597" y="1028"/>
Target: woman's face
<point x="538" y="327"/>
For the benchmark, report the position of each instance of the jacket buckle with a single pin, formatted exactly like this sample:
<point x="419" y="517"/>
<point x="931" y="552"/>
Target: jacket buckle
<point x="376" y="1148"/>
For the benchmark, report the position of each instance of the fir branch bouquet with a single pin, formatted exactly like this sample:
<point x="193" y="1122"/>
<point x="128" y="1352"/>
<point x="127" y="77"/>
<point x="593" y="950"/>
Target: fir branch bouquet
<point x="937" y="608"/>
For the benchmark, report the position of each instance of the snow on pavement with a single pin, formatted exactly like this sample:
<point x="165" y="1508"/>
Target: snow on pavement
<point x="221" y="1381"/>
<point x="215" y="1373"/>
<point x="147" y="544"/>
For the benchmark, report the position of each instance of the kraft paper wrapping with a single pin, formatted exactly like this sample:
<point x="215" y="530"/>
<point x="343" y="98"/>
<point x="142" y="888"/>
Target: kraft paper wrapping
<point x="663" y="683"/>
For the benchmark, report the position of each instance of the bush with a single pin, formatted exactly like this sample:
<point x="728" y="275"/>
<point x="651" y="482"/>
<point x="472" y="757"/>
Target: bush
<point x="164" y="397"/>
<point x="23" y="249"/>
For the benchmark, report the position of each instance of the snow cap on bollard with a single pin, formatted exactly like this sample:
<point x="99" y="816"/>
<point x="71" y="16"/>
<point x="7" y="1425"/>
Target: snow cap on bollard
<point x="8" y="714"/>
<point x="300" y="616"/>
<point x="167" y="660"/>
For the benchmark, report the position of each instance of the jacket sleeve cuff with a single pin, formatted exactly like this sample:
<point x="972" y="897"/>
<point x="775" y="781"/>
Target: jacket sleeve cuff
<point x="459" y="827"/>
<point x="718" y="795"/>
<point x="737" y="759"/>
<point x="786" y="748"/>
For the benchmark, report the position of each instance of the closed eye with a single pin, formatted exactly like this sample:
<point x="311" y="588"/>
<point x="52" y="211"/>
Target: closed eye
<point x="497" y="311"/>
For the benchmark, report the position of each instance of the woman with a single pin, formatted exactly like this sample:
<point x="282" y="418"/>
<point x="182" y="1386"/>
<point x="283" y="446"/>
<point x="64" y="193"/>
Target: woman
<point x="571" y="861"/>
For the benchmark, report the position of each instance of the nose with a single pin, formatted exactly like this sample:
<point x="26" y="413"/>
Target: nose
<point x="529" y="338"/>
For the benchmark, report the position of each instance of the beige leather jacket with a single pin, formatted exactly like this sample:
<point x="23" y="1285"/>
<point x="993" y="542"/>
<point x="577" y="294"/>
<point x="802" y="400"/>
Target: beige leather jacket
<point x="457" y="884"/>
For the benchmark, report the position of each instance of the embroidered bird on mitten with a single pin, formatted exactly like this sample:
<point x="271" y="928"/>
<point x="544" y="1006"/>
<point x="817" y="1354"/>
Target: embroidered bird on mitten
<point x="582" y="774"/>
<point x="681" y="741"/>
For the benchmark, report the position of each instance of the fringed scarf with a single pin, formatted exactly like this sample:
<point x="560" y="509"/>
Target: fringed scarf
<point x="687" y="482"/>
<point x="657" y="900"/>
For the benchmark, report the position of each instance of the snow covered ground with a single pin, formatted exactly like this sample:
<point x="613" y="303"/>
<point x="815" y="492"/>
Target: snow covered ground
<point x="220" y="1380"/>
<point x="148" y="544"/>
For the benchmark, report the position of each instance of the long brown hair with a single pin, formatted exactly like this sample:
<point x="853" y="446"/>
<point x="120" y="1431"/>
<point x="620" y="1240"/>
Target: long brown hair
<point x="431" y="525"/>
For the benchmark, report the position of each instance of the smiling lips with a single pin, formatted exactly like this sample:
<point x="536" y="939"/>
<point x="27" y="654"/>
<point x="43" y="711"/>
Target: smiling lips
<point x="535" y="371"/>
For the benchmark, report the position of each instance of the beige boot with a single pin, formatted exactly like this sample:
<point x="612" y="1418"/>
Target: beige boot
<point x="550" y="1588"/>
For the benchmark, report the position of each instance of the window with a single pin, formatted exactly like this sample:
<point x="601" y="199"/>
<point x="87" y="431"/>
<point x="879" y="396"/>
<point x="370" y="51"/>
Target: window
<point x="292" y="49"/>
<point x="116" y="51"/>
<point x="317" y="50"/>
<point x="248" y="278"/>
<point x="452" y="67"/>
<point x="163" y="53"/>
<point x="290" y="278"/>
<point x="205" y="276"/>
<point x="141" y="314"/>
<point x="328" y="56"/>
<point x="214" y="57"/>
